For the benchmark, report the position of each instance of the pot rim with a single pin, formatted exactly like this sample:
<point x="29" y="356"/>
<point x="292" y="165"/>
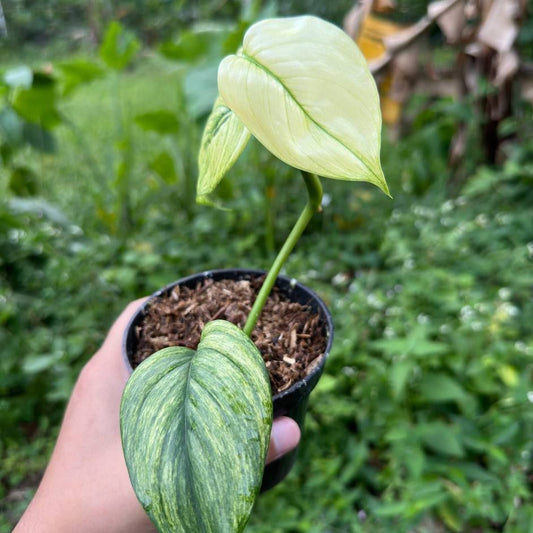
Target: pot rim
<point x="322" y="309"/>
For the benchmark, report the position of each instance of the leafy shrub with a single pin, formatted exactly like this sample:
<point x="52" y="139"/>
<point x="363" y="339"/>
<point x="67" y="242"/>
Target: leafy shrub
<point x="425" y="411"/>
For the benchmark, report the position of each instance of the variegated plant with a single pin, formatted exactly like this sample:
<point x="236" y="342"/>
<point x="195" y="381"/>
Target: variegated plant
<point x="196" y="424"/>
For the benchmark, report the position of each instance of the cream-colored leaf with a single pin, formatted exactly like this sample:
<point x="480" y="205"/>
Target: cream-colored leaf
<point x="223" y="141"/>
<point x="303" y="89"/>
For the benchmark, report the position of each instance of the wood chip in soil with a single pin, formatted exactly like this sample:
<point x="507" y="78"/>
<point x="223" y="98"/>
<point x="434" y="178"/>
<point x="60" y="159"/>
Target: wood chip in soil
<point x="288" y="334"/>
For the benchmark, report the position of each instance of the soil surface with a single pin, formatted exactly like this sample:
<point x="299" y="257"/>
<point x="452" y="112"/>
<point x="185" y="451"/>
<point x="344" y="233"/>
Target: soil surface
<point x="289" y="335"/>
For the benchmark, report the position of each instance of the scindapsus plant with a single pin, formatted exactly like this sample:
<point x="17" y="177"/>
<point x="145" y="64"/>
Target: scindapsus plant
<point x="196" y="423"/>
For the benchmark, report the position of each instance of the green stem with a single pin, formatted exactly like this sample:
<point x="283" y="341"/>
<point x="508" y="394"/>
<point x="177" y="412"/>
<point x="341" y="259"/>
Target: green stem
<point x="314" y="191"/>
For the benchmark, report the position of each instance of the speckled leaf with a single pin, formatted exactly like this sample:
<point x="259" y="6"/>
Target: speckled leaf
<point x="195" y="431"/>
<point x="223" y="141"/>
<point x="303" y="89"/>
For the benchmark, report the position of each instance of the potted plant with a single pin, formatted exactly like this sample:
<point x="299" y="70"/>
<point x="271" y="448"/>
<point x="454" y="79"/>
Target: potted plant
<point x="196" y="423"/>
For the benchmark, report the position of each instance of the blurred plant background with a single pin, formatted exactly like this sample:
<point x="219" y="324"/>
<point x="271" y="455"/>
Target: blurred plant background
<point x="423" y="420"/>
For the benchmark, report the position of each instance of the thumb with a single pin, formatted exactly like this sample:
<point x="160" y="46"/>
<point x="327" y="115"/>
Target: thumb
<point x="284" y="437"/>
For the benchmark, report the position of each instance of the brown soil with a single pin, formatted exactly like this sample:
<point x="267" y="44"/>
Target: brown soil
<point x="289" y="336"/>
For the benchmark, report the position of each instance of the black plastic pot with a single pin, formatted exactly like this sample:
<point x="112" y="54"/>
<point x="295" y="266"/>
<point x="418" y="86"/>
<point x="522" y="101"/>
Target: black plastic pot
<point x="291" y="402"/>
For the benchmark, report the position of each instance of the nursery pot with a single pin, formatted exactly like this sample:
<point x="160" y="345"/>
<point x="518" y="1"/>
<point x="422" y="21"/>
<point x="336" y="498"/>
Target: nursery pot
<point x="291" y="402"/>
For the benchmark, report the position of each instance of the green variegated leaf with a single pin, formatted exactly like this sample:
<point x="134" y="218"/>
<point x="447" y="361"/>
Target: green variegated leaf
<point x="195" y="431"/>
<point x="223" y="141"/>
<point x="304" y="90"/>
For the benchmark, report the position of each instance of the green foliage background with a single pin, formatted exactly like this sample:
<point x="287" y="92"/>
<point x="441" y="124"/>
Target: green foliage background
<point x="423" y="420"/>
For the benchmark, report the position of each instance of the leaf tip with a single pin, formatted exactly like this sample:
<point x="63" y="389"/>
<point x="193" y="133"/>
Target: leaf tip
<point x="386" y="190"/>
<point x="380" y="181"/>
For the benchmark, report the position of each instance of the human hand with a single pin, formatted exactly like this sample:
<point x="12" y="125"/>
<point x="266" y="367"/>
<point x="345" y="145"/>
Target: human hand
<point x="86" y="487"/>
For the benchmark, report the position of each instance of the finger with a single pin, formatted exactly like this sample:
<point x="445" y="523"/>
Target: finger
<point x="284" y="437"/>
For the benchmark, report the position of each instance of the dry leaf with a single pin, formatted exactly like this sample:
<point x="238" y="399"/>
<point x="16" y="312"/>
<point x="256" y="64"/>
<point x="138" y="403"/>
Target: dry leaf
<point x="452" y="22"/>
<point x="507" y="66"/>
<point x="353" y="21"/>
<point x="500" y="29"/>
<point x="384" y="6"/>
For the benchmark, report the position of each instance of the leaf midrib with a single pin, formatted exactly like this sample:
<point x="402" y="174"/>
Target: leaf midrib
<point x="269" y="72"/>
<point x="188" y="470"/>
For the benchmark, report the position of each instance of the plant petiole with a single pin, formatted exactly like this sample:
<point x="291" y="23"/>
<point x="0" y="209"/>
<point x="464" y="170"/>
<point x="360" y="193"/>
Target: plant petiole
<point x="314" y="201"/>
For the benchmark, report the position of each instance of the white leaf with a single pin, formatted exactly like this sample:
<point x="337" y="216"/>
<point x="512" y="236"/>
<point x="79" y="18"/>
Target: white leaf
<point x="304" y="90"/>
